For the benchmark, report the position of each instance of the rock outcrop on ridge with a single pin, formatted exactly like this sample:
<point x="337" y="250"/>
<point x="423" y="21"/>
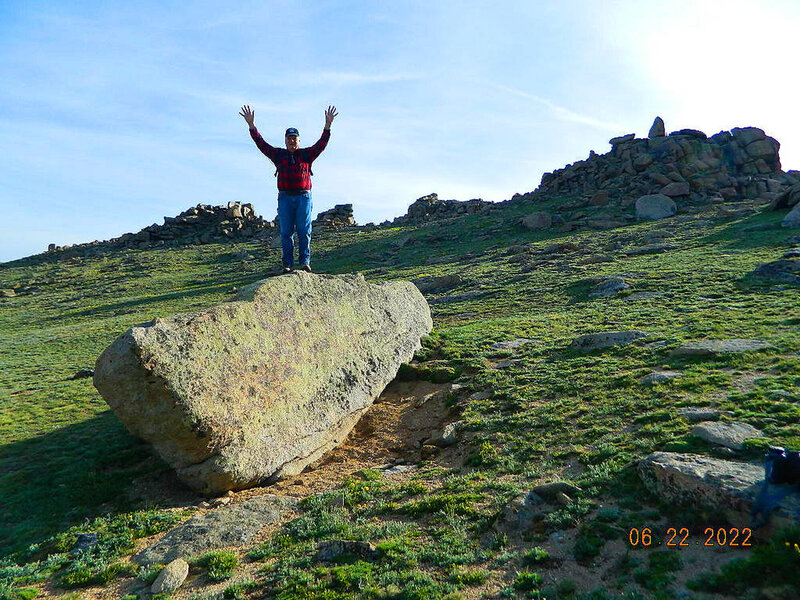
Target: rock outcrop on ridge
<point x="431" y="208"/>
<point x="257" y="388"/>
<point x="684" y="165"/>
<point x="206" y="224"/>
<point x="201" y="224"/>
<point x="338" y="217"/>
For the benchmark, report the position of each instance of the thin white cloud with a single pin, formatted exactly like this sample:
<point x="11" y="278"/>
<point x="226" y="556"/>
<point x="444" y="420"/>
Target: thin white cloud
<point x="559" y="112"/>
<point x="350" y="77"/>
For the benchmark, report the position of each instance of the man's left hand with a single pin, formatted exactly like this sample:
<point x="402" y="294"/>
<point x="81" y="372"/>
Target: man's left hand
<point x="330" y="114"/>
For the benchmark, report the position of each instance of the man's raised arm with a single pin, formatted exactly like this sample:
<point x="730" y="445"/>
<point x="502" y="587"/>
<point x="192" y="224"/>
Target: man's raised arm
<point x="317" y="148"/>
<point x="250" y="116"/>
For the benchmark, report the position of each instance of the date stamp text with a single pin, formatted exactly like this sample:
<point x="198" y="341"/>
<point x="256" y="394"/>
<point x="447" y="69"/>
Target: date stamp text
<point x="731" y="537"/>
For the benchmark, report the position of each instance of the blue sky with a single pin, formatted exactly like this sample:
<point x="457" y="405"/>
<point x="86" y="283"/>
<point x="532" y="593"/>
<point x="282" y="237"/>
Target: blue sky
<point x="116" y="114"/>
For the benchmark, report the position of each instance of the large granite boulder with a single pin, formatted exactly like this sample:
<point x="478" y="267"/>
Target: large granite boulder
<point x="257" y="388"/>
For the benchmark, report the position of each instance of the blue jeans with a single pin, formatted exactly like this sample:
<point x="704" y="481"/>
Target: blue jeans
<point x="294" y="213"/>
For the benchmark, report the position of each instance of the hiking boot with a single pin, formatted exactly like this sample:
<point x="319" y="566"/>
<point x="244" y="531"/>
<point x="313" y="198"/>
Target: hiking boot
<point x="287" y="270"/>
<point x="306" y="268"/>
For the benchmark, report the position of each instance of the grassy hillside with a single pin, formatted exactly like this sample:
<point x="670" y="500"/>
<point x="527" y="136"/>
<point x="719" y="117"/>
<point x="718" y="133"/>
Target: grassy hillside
<point x="547" y="412"/>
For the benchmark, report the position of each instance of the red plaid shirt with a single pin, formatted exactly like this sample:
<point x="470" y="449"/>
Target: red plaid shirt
<point x="294" y="168"/>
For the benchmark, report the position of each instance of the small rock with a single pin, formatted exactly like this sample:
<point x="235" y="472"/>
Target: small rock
<point x="786" y="270"/>
<point x="482" y="395"/>
<point x="724" y="452"/>
<point x="717" y="347"/>
<point x="641" y="162"/>
<point x="694" y="133"/>
<point x="332" y="549"/>
<point x="83" y="542"/>
<point x="653" y="207"/>
<point x="655" y="345"/>
<point x="550" y="491"/>
<point x="504" y="364"/>
<point x="397" y="469"/>
<point x="537" y="220"/>
<point x="512" y="345"/>
<point x="217" y="502"/>
<point x="676" y="188"/>
<point x="593" y="341"/>
<point x="600" y="198"/>
<point x="604" y="224"/>
<point x="428" y="284"/>
<point x="7" y="293"/>
<point x="659" y="377"/>
<point x="609" y="287"/>
<point x="82" y="374"/>
<point x="519" y="514"/>
<point x="556" y="538"/>
<point x="695" y="415"/>
<point x="628" y="137"/>
<point x="171" y="577"/>
<point x="447" y="436"/>
<point x="731" y="435"/>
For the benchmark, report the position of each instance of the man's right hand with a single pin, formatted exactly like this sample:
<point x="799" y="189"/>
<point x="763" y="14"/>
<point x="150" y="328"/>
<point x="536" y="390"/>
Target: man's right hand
<point x="249" y="115"/>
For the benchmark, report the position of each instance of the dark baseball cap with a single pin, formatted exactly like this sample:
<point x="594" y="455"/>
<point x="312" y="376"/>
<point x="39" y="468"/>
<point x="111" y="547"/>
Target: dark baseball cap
<point x="292" y="131"/>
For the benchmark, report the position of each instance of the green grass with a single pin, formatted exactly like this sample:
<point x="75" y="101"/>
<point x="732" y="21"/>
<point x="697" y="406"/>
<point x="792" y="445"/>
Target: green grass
<point x="58" y="559"/>
<point x="775" y="562"/>
<point x="219" y="564"/>
<point x="65" y="461"/>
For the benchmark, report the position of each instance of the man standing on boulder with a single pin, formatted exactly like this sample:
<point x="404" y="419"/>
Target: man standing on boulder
<point x="293" y="169"/>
